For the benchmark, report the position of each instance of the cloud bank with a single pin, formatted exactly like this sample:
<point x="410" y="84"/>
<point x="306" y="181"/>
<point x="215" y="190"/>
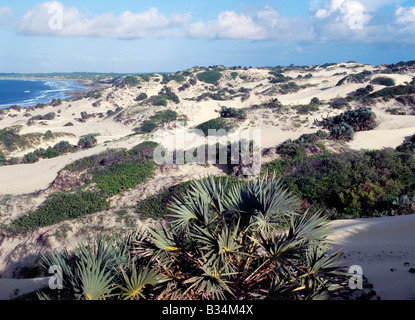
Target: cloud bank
<point x="332" y="20"/>
<point x="54" y="19"/>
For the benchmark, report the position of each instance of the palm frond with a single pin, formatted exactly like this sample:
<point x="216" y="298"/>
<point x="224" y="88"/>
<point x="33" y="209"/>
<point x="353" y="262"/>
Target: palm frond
<point x="96" y="279"/>
<point x="210" y="284"/>
<point x="138" y="278"/>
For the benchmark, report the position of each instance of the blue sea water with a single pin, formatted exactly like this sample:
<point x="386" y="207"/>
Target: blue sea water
<point x="27" y="93"/>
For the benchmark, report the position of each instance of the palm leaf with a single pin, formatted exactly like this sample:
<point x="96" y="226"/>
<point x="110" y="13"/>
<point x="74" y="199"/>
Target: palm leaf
<point x="137" y="280"/>
<point x="96" y="279"/>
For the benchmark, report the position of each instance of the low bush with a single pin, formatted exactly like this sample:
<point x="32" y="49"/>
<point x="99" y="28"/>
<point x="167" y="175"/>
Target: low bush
<point x="48" y="116"/>
<point x="63" y="147"/>
<point x="384" y="81"/>
<point x="342" y="131"/>
<point x="339" y="103"/>
<point x="87" y="141"/>
<point x="408" y="145"/>
<point x="117" y="178"/>
<point x="350" y="184"/>
<point x="161" y="117"/>
<point x="131" y="81"/>
<point x="233" y="113"/>
<point x="31" y="157"/>
<point x="361" y="119"/>
<point x="211" y="76"/>
<point x="173" y="77"/>
<point x="59" y="207"/>
<point x="216" y="124"/>
<point x="297" y="148"/>
<point x="142" y="96"/>
<point x="306" y="108"/>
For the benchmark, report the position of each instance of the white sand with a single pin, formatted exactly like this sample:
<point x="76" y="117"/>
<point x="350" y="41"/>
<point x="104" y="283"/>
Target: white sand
<point x="385" y="249"/>
<point x="9" y="287"/>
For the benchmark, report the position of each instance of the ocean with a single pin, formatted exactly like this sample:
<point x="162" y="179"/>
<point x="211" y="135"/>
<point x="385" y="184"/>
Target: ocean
<point x="25" y="93"/>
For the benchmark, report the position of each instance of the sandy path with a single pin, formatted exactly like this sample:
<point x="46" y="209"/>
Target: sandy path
<point x="385" y="249"/>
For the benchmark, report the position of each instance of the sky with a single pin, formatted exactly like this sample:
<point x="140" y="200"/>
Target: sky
<point x="126" y="36"/>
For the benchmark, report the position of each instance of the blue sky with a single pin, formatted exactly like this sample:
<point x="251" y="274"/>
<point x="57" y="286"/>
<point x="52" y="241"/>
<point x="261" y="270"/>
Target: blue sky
<point x="167" y="36"/>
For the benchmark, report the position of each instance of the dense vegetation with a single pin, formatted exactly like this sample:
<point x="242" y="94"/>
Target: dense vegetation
<point x="104" y="175"/>
<point x="60" y="207"/>
<point x="361" y="119"/>
<point x="352" y="184"/>
<point x="221" y="245"/>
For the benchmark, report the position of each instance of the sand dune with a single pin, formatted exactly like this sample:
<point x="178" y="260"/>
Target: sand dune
<point x="384" y="248"/>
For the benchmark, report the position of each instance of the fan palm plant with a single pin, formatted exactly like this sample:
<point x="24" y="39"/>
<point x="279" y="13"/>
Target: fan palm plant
<point x="249" y="241"/>
<point x="103" y="270"/>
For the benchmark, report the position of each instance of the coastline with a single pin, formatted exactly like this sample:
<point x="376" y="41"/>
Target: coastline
<point x="88" y="85"/>
<point x="75" y="94"/>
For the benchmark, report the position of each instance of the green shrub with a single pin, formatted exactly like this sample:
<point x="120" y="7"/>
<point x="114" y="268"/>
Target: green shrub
<point x="384" y="81"/>
<point x="145" y="149"/>
<point x="339" y="103"/>
<point x="342" y="131"/>
<point x="49" y="135"/>
<point x="279" y="77"/>
<point x="131" y="81"/>
<point x="146" y="127"/>
<point x="87" y="141"/>
<point x="63" y="147"/>
<point x="211" y="76"/>
<point x="59" y="207"/>
<point x="3" y="159"/>
<point x="215" y="124"/>
<point x="30" y="158"/>
<point x="393" y="92"/>
<point x="157" y="101"/>
<point x="408" y="145"/>
<point x="173" y="77"/>
<point x="350" y="184"/>
<point x="306" y="108"/>
<point x="142" y="96"/>
<point x="233" y="113"/>
<point x="51" y="153"/>
<point x="122" y="177"/>
<point x="297" y="148"/>
<point x="162" y="117"/>
<point x="234" y="75"/>
<point x="48" y="116"/>
<point x="361" y="119"/>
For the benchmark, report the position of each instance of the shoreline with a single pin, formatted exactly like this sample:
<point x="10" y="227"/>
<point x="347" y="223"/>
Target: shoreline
<point x="68" y="95"/>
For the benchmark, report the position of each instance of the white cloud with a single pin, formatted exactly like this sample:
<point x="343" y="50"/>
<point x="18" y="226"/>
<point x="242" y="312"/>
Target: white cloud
<point x="266" y="24"/>
<point x="405" y="15"/>
<point x="229" y="25"/>
<point x="351" y="14"/>
<point x="4" y="12"/>
<point x="54" y="19"/>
